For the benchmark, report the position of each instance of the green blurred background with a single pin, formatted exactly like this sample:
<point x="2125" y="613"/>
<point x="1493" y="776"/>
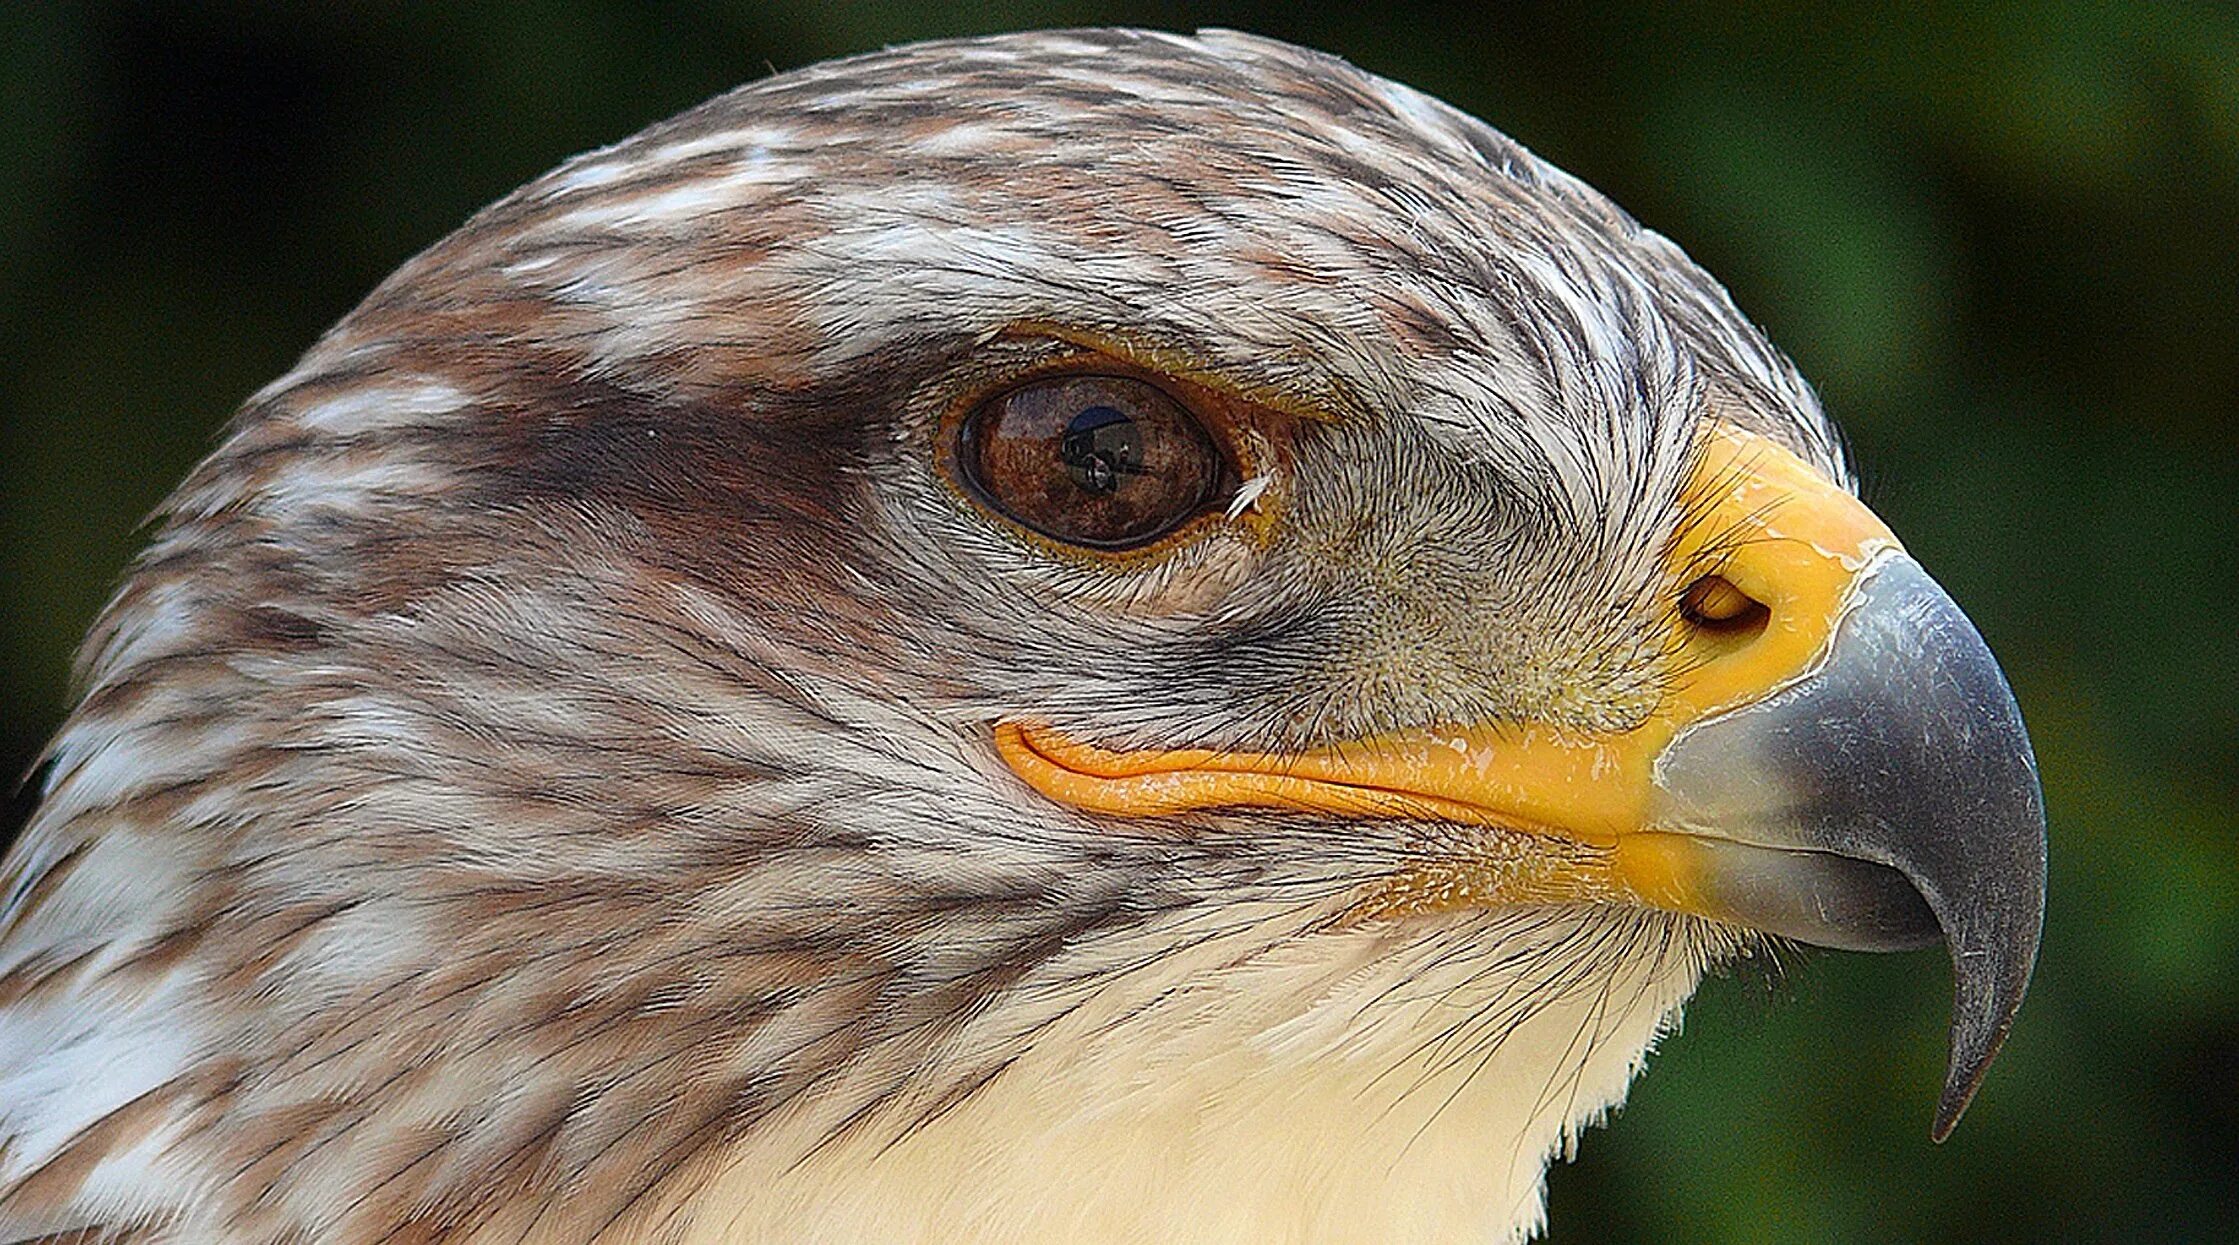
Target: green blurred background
<point x="2004" y="240"/>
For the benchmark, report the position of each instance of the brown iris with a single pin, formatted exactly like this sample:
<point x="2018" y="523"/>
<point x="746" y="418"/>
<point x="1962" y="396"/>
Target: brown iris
<point x="1105" y="462"/>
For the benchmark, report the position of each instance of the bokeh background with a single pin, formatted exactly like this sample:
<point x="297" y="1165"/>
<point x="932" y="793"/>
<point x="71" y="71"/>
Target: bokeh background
<point x="2004" y="240"/>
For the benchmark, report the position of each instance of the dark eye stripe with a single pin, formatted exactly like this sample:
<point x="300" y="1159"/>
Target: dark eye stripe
<point x="1104" y="462"/>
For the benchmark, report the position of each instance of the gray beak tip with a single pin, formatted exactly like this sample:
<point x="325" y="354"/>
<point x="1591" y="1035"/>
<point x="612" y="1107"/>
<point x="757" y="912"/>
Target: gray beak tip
<point x="1961" y="1079"/>
<point x="1990" y="970"/>
<point x="1970" y="1061"/>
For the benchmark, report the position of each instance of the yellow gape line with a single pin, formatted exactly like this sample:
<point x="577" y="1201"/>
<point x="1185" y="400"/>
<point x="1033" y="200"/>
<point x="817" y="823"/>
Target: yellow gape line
<point x="1787" y="540"/>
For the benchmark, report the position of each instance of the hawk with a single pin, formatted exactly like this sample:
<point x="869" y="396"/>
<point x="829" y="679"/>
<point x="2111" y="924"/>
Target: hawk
<point x="1084" y="636"/>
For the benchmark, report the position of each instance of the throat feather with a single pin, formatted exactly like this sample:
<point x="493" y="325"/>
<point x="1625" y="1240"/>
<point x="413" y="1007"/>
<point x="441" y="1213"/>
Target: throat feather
<point x="1408" y="1096"/>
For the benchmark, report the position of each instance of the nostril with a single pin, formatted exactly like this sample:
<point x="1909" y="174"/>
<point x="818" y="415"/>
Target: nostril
<point x="1715" y="604"/>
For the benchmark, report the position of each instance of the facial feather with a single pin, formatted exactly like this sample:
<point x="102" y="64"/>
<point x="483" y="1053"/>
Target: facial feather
<point x="546" y="745"/>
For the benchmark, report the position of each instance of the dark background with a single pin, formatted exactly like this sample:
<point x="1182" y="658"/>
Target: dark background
<point x="2004" y="240"/>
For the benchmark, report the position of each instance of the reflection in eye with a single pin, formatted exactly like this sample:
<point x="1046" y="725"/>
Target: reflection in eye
<point x="1099" y="446"/>
<point x="1105" y="462"/>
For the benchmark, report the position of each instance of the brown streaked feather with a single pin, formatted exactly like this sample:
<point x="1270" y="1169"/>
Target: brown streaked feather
<point x="542" y="756"/>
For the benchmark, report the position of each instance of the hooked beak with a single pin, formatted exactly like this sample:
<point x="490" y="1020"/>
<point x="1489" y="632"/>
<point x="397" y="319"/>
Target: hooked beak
<point x="1889" y="795"/>
<point x="1846" y="767"/>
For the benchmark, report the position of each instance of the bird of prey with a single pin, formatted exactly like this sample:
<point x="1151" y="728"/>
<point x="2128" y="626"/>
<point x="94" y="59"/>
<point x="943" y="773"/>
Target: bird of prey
<point x="1085" y="636"/>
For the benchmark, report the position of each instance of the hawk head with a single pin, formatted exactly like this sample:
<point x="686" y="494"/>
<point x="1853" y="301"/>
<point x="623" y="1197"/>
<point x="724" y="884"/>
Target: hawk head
<point x="1077" y="636"/>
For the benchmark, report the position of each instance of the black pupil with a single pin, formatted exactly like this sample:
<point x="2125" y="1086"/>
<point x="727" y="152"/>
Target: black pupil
<point x="1101" y="445"/>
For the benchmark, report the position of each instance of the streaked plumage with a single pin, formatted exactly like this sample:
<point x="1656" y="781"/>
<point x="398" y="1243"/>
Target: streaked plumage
<point x="536" y="785"/>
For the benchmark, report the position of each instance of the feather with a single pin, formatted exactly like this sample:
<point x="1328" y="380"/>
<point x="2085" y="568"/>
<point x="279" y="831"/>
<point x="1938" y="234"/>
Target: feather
<point x="536" y="784"/>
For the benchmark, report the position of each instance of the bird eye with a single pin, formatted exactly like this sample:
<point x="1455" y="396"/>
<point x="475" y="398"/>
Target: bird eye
<point x="1104" y="462"/>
